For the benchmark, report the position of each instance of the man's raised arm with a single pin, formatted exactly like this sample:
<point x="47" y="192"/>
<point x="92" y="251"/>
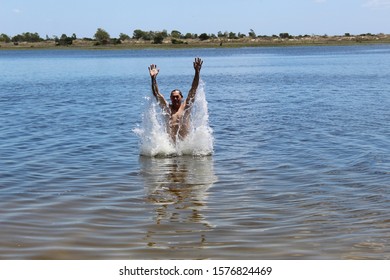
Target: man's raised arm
<point x="191" y="95"/>
<point x="153" y="71"/>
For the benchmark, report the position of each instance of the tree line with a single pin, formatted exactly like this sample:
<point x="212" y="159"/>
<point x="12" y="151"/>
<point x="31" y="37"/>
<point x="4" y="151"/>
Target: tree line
<point x="102" y="37"/>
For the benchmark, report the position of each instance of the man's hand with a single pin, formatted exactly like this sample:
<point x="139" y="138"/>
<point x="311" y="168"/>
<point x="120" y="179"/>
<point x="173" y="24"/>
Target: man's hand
<point x="153" y="71"/>
<point x="198" y="64"/>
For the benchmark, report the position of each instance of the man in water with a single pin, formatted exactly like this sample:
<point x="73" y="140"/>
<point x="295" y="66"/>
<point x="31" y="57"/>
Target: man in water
<point x="178" y="112"/>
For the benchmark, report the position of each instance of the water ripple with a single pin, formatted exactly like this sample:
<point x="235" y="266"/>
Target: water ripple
<point x="300" y="168"/>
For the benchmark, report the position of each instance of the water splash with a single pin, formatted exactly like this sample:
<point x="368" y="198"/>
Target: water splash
<point x="155" y="141"/>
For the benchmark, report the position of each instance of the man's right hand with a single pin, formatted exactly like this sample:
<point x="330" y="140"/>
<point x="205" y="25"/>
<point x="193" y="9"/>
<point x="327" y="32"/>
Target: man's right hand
<point x="153" y="71"/>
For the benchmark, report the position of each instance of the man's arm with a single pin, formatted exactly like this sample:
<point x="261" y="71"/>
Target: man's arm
<point x="191" y="95"/>
<point x="153" y="71"/>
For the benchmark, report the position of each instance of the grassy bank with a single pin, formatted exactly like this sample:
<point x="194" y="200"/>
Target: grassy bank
<point x="211" y="43"/>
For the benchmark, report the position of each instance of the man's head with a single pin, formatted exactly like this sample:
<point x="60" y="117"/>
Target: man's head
<point x="176" y="97"/>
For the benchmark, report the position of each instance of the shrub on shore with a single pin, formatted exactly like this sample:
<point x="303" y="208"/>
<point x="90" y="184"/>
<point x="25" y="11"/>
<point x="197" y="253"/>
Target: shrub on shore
<point x="143" y="39"/>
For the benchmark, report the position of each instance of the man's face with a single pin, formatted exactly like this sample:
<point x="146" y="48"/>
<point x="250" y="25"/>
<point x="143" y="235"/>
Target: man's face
<point x="176" y="98"/>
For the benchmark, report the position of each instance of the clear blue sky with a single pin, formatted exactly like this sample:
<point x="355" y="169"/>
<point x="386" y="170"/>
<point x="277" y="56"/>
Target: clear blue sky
<point x="265" y="17"/>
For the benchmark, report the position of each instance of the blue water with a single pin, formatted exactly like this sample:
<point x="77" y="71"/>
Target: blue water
<point x="300" y="166"/>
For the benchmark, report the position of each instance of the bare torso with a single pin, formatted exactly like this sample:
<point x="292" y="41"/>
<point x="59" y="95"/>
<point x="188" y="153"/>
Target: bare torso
<point x="178" y="123"/>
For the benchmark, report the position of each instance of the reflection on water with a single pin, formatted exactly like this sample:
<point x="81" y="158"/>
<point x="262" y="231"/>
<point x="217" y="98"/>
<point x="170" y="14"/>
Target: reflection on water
<point x="177" y="189"/>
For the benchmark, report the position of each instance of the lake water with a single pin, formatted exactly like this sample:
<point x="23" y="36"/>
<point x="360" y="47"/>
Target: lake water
<point x="300" y="168"/>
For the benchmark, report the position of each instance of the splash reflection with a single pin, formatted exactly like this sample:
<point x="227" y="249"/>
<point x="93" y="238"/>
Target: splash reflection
<point x="177" y="189"/>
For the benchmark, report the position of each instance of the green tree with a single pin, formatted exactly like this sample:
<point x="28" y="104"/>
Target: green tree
<point x="158" y="38"/>
<point x="138" y="34"/>
<point x="175" y="34"/>
<point x="188" y="36"/>
<point x="124" y="37"/>
<point x="284" y="35"/>
<point x="102" y="36"/>
<point x="232" y="35"/>
<point x="204" y="36"/>
<point x="252" y="34"/>
<point x="4" y="38"/>
<point x="64" y="40"/>
<point x="220" y="34"/>
<point x="147" y="36"/>
<point x="27" y="37"/>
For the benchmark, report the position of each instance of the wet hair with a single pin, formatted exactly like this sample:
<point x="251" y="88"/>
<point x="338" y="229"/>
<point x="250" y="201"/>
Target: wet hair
<point x="178" y="91"/>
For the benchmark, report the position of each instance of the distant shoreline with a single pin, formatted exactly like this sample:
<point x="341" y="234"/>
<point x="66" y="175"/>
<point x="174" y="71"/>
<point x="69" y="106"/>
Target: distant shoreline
<point x="133" y="44"/>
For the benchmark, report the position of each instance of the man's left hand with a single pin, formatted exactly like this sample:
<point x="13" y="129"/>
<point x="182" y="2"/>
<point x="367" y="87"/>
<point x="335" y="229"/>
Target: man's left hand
<point x="198" y="64"/>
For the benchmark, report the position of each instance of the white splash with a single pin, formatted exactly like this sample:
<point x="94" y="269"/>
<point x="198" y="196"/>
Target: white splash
<point x="155" y="141"/>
